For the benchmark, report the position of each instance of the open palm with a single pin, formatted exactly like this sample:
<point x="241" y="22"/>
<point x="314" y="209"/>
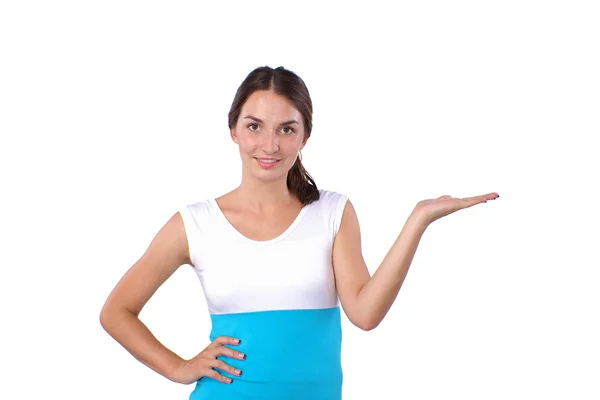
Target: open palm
<point x="433" y="209"/>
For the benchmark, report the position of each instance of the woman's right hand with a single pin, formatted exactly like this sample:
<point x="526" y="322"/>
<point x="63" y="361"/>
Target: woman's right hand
<point x="202" y="365"/>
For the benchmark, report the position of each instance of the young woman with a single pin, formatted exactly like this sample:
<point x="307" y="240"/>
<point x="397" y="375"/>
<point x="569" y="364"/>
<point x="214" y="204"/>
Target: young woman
<point x="276" y="257"/>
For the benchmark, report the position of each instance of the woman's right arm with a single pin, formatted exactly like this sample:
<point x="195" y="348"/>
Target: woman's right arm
<point x="119" y="316"/>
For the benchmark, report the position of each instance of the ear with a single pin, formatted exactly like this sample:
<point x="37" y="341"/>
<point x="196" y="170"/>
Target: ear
<point x="303" y="143"/>
<point x="233" y="135"/>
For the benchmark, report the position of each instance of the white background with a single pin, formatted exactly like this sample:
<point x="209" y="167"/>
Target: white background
<point x="113" y="115"/>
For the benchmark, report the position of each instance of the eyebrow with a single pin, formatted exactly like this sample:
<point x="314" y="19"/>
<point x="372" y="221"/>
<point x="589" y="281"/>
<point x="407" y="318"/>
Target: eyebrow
<point x="292" y="121"/>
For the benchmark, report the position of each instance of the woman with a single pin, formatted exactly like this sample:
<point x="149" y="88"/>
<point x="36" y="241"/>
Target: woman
<point x="275" y="257"/>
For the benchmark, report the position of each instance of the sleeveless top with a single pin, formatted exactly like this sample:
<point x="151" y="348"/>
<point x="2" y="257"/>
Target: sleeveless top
<point x="277" y="296"/>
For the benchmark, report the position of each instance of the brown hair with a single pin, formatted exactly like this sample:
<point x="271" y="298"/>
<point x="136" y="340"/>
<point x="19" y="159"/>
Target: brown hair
<point x="285" y="83"/>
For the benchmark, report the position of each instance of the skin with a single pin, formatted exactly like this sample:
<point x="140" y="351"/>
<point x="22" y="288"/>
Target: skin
<point x="263" y="195"/>
<point x="365" y="299"/>
<point x="262" y="207"/>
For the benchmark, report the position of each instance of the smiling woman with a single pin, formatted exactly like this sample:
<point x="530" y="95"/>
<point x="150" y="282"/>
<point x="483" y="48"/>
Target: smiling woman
<point x="271" y="119"/>
<point x="276" y="289"/>
<point x="264" y="256"/>
<point x="276" y="257"/>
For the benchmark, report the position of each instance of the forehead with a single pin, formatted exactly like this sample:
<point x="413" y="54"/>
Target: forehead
<point x="268" y="104"/>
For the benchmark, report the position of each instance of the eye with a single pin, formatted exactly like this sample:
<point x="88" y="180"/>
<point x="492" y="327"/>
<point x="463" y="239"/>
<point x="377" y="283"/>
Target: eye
<point x="249" y="125"/>
<point x="291" y="130"/>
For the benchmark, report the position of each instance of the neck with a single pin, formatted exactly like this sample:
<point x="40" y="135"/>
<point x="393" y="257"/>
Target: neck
<point x="260" y="195"/>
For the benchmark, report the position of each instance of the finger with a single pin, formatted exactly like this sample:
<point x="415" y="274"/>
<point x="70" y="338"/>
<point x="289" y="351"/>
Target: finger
<point x="489" y="196"/>
<point x="216" y="375"/>
<point x="227" y="352"/>
<point x="469" y="202"/>
<point x="474" y="200"/>
<point x="225" y="367"/>
<point x="221" y="340"/>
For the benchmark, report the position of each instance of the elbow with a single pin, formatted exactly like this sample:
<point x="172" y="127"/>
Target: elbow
<point x="362" y="319"/>
<point x="104" y="318"/>
<point x="368" y="327"/>
<point x="370" y="321"/>
<point x="111" y="314"/>
<point x="107" y="317"/>
<point x="366" y="324"/>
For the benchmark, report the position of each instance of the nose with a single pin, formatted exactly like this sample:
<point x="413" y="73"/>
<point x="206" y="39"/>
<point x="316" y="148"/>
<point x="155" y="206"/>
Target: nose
<point x="270" y="143"/>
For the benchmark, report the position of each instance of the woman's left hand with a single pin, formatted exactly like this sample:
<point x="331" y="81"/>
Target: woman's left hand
<point x="434" y="209"/>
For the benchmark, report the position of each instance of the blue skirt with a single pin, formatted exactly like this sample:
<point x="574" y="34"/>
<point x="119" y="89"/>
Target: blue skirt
<point x="290" y="354"/>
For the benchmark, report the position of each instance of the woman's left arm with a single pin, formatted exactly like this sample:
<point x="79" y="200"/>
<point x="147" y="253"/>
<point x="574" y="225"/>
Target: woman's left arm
<point x="365" y="299"/>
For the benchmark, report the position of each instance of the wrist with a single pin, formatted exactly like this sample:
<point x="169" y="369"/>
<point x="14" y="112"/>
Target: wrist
<point x="173" y="368"/>
<point x="418" y="219"/>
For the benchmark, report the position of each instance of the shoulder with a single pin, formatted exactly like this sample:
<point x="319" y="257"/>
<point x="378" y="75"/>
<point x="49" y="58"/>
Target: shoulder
<point x="334" y="201"/>
<point x="332" y="196"/>
<point x="334" y="205"/>
<point x="195" y="209"/>
<point x="196" y="219"/>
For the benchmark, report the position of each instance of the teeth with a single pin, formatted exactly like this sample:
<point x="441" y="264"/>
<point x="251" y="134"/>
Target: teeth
<point x="267" y="161"/>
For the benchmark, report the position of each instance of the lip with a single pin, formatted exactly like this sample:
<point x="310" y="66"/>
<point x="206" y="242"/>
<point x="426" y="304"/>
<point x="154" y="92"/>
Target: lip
<point x="268" y="165"/>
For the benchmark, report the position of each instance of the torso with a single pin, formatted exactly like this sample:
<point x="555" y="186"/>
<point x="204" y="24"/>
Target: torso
<point x="268" y="279"/>
<point x="259" y="227"/>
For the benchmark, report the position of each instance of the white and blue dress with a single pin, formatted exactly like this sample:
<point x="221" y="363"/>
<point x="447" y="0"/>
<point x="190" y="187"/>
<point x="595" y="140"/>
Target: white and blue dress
<point x="278" y="296"/>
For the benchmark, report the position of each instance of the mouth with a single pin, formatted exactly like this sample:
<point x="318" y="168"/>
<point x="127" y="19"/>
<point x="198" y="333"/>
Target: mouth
<point x="267" y="162"/>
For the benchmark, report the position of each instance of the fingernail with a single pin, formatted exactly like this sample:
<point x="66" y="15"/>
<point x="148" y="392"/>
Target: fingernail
<point x="236" y="340"/>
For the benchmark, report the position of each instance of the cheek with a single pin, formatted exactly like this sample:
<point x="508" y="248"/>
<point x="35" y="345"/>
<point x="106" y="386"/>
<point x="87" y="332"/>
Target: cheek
<point x="293" y="146"/>
<point x="246" y="143"/>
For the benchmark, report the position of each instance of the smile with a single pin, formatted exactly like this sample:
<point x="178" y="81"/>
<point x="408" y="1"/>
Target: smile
<point x="266" y="163"/>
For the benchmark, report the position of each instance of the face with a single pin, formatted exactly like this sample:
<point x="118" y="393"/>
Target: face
<point x="269" y="127"/>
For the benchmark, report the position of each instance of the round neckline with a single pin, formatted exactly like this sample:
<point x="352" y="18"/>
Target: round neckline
<point x="286" y="233"/>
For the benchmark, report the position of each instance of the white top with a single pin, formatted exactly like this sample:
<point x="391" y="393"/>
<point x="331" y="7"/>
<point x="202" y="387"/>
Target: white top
<point x="292" y="271"/>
